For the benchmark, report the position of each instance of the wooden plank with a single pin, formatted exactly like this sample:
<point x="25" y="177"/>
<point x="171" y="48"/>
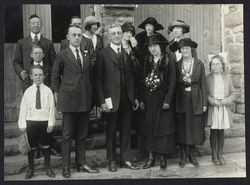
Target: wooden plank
<point x="42" y="10"/>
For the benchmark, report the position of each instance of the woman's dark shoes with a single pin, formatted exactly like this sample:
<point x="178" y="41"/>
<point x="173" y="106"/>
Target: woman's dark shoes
<point x="66" y="172"/>
<point x="215" y="161"/>
<point x="221" y="160"/>
<point x="86" y="168"/>
<point x="29" y="174"/>
<point x="194" y="162"/>
<point x="129" y="165"/>
<point x="182" y="163"/>
<point x="163" y="164"/>
<point x="112" y="166"/>
<point x="150" y="163"/>
<point x="50" y="173"/>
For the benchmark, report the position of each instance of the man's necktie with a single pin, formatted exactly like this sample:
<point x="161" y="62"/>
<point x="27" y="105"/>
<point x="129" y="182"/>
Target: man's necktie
<point x="35" y="39"/>
<point x="78" y="58"/>
<point x="38" y="97"/>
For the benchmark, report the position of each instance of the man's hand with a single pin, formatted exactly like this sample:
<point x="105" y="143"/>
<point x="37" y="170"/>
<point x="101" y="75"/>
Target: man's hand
<point x="133" y="42"/>
<point x="204" y="109"/>
<point x="136" y="105"/>
<point x="49" y="129"/>
<point x="24" y="74"/>
<point x="165" y="106"/>
<point x="105" y="108"/>
<point x="142" y="106"/>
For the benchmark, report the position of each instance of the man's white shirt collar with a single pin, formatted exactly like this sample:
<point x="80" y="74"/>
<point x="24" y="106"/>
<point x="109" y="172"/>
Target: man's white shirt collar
<point x="74" y="48"/>
<point x="115" y="47"/>
<point x="33" y="35"/>
<point x="36" y="63"/>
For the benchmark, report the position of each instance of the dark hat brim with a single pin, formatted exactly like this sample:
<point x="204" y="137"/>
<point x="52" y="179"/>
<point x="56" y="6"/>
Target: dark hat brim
<point x="157" y="42"/>
<point x="187" y="42"/>
<point x="185" y="27"/>
<point x="152" y="21"/>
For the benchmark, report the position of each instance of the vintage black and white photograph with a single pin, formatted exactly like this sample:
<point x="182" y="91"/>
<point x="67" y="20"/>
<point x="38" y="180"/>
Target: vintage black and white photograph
<point x="123" y="91"/>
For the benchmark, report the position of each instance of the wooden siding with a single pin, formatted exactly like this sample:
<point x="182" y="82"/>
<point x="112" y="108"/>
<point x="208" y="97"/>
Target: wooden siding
<point x="204" y="21"/>
<point x="42" y="10"/>
<point x="86" y="10"/>
<point x="12" y="85"/>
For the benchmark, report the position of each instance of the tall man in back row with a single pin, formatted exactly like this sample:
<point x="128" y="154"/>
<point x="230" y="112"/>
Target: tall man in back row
<point x="71" y="80"/>
<point x="116" y="94"/>
<point x="22" y="59"/>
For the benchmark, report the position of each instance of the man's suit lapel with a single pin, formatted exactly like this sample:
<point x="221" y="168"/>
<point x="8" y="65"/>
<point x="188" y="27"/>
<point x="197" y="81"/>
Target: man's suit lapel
<point x="112" y="55"/>
<point x="71" y="58"/>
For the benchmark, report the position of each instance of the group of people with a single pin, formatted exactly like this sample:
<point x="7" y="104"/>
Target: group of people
<point x="164" y="82"/>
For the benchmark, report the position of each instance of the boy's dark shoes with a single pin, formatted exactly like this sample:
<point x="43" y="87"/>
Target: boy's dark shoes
<point x="66" y="172"/>
<point x="50" y="173"/>
<point x="29" y="174"/>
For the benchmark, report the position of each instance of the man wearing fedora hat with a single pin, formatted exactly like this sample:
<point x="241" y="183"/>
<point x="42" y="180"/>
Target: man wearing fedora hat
<point x="178" y="28"/>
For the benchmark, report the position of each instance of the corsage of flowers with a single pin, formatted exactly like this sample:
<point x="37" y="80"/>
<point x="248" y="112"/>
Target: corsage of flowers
<point x="152" y="81"/>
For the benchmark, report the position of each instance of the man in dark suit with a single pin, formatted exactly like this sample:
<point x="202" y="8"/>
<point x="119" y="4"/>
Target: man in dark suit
<point x="22" y="60"/>
<point x="71" y="81"/>
<point x="86" y="44"/>
<point x="116" y="95"/>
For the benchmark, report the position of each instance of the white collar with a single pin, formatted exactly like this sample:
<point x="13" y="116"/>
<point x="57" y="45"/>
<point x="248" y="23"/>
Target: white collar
<point x="34" y="85"/>
<point x="74" y="48"/>
<point x="36" y="63"/>
<point x="115" y="47"/>
<point x="33" y="35"/>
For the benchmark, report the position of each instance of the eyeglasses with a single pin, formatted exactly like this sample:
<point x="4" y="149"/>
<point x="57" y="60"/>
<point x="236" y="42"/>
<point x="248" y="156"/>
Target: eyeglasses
<point x="115" y="33"/>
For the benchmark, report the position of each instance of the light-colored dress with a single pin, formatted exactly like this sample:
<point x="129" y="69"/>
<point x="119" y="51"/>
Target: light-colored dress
<point x="220" y="117"/>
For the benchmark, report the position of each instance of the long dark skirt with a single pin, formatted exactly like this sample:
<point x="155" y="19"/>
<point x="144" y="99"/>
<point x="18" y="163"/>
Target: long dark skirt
<point x="190" y="128"/>
<point x="149" y="142"/>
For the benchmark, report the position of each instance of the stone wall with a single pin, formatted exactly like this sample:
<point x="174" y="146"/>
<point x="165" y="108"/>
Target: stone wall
<point x="109" y="15"/>
<point x="234" y="47"/>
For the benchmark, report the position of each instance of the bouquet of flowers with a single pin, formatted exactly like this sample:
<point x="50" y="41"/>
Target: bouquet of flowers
<point x="186" y="79"/>
<point x="152" y="81"/>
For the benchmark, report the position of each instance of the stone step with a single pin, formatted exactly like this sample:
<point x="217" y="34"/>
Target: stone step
<point x="16" y="164"/>
<point x="99" y="141"/>
<point x="235" y="167"/>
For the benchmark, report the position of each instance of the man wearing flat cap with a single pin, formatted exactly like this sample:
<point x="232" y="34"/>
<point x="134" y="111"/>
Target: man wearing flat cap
<point x="178" y="28"/>
<point x="22" y="60"/>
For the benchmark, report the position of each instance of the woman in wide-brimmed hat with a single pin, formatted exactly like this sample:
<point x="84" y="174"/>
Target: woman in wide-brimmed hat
<point x="150" y="27"/>
<point x="128" y="41"/>
<point x="191" y="102"/>
<point x="159" y="78"/>
<point x="130" y="45"/>
<point x="91" y="25"/>
<point x="178" y="28"/>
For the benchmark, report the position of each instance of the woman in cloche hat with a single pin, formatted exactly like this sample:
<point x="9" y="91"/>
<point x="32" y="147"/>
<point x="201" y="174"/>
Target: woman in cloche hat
<point x="91" y="25"/>
<point x="150" y="27"/>
<point x="159" y="78"/>
<point x="191" y="102"/>
<point x="178" y="28"/>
